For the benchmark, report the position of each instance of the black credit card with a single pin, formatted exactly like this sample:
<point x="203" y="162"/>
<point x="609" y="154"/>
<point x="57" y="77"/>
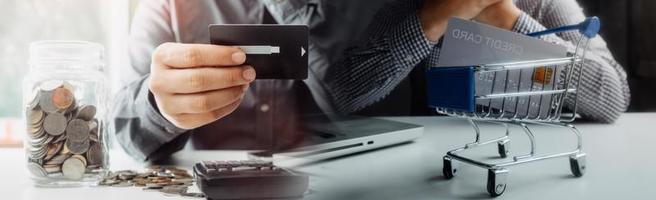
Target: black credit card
<point x="275" y="51"/>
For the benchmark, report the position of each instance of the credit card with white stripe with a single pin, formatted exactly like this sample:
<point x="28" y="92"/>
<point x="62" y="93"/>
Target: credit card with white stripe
<point x="275" y="51"/>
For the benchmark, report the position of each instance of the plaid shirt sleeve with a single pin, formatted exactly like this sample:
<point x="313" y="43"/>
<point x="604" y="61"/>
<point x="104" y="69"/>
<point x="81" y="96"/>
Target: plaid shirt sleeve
<point x="394" y="45"/>
<point x="604" y="89"/>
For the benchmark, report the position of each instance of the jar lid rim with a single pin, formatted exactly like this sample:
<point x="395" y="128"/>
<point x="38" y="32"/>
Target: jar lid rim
<point x="65" y="50"/>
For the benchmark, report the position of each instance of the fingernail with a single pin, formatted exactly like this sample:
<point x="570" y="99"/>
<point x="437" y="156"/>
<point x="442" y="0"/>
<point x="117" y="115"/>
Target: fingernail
<point x="249" y="74"/>
<point x="239" y="57"/>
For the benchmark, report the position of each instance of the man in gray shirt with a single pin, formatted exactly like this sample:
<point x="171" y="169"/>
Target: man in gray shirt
<point x="181" y="88"/>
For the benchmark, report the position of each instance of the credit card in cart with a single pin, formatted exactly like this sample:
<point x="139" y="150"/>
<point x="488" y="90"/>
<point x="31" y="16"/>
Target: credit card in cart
<point x="275" y="51"/>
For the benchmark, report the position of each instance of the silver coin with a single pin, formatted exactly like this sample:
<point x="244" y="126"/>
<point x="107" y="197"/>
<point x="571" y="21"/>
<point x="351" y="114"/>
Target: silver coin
<point x="77" y="130"/>
<point x="95" y="154"/>
<point x="57" y="159"/>
<point x="45" y="102"/>
<point x="86" y="112"/>
<point x="52" y="168"/>
<point x="59" y="138"/>
<point x="72" y="109"/>
<point x="36" y="169"/>
<point x="36" y="131"/>
<point x="174" y="189"/>
<point x="73" y="168"/>
<point x="33" y="99"/>
<point x="77" y="147"/>
<point x="80" y="157"/>
<point x="34" y="116"/>
<point x="154" y="185"/>
<point x="55" y="124"/>
<point x="38" y="153"/>
<point x="124" y="184"/>
<point x="39" y="141"/>
<point x="51" y="85"/>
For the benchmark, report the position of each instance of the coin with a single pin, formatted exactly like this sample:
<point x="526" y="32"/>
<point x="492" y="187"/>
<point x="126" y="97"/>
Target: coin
<point x="51" y="85"/>
<point x="79" y="157"/>
<point x="95" y="154"/>
<point x="93" y="128"/>
<point x="86" y="112"/>
<point x="58" y="159"/>
<point x="52" y="168"/>
<point x="174" y="189"/>
<point x="36" y="169"/>
<point x="55" y="124"/>
<point x="77" y="130"/>
<point x="38" y="152"/>
<point x="34" y="116"/>
<point x="45" y="102"/>
<point x="73" y="168"/>
<point x="156" y="178"/>
<point x="77" y="147"/>
<point x="59" y="138"/>
<point x="36" y="131"/>
<point x="53" y="149"/>
<point x="33" y="99"/>
<point x="62" y="98"/>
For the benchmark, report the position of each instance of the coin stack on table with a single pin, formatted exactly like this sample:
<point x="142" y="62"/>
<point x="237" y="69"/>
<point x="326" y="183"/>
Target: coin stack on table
<point x="167" y="180"/>
<point x="64" y="140"/>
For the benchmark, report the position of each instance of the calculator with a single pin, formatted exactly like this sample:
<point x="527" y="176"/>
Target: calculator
<point x="248" y="179"/>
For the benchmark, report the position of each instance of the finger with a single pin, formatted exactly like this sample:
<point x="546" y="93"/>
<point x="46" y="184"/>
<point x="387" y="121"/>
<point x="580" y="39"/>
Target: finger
<point x="187" y="81"/>
<point x="178" y="55"/>
<point x="191" y="121"/>
<point x="203" y="102"/>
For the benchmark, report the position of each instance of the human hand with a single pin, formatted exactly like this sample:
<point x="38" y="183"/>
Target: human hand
<point x="434" y="14"/>
<point x="503" y="14"/>
<point x="196" y="84"/>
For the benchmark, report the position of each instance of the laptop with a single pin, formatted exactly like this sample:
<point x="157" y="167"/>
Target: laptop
<point x="331" y="136"/>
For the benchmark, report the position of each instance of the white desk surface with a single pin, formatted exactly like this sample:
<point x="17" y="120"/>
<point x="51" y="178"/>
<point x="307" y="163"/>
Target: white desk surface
<point x="621" y="165"/>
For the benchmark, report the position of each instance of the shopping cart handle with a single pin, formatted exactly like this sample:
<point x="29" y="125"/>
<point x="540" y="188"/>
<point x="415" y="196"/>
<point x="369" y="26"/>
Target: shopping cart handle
<point x="589" y="28"/>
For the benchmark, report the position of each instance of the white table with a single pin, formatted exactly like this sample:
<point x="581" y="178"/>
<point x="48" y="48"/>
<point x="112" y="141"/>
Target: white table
<point x="621" y="165"/>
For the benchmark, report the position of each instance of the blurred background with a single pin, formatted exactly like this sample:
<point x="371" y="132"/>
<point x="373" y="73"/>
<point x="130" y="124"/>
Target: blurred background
<point x="627" y="26"/>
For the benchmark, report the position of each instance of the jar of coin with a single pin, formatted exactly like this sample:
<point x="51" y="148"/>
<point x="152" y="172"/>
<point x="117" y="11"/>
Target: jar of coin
<point x="65" y="104"/>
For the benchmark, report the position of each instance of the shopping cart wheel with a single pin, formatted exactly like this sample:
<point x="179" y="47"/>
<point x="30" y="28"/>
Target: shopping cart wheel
<point x="577" y="164"/>
<point x="449" y="169"/>
<point x="502" y="146"/>
<point x="496" y="181"/>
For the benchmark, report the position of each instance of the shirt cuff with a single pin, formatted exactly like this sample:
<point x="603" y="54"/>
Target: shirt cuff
<point x="408" y="44"/>
<point x="155" y="130"/>
<point x="152" y="112"/>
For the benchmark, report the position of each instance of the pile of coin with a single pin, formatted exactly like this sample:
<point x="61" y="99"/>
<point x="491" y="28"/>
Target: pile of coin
<point x="64" y="137"/>
<point x="168" y="180"/>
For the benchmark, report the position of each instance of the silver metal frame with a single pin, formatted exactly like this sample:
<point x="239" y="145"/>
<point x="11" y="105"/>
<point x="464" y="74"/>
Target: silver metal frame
<point x="564" y="89"/>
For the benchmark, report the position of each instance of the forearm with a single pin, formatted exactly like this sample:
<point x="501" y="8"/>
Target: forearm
<point x="139" y="127"/>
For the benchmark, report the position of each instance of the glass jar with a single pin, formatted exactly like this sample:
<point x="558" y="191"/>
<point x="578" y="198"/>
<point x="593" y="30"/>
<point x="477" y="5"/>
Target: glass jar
<point x="64" y="96"/>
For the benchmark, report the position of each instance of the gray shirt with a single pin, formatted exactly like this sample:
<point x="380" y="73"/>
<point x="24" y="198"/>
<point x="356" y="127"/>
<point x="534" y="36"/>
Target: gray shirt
<point x="354" y="62"/>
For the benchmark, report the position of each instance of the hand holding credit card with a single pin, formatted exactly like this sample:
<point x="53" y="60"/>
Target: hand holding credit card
<point x="275" y="51"/>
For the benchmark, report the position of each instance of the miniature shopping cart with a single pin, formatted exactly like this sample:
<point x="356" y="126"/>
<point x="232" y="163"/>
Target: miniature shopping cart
<point x="536" y="92"/>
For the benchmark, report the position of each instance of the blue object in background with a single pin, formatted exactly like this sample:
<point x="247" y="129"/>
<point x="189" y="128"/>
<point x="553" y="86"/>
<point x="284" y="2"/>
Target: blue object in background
<point x="451" y="87"/>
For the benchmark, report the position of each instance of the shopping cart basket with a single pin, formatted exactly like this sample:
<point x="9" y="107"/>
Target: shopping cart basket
<point x="536" y="92"/>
